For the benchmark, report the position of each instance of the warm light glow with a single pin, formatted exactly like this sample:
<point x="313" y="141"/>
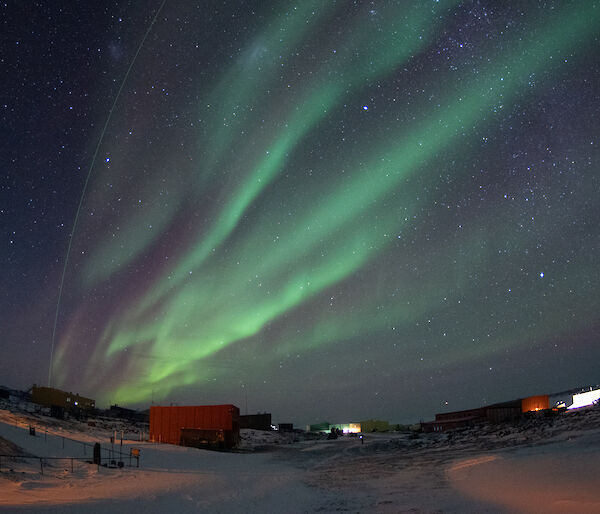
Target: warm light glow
<point x="347" y="428"/>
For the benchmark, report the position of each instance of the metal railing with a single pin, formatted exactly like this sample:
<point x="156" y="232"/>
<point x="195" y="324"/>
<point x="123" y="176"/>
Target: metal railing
<point x="9" y="462"/>
<point x="112" y="456"/>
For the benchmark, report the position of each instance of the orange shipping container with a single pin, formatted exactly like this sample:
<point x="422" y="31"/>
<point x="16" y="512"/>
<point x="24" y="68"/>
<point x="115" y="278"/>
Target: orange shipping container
<point x="166" y="422"/>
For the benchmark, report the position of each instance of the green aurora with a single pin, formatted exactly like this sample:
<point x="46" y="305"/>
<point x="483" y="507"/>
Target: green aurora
<point x="303" y="208"/>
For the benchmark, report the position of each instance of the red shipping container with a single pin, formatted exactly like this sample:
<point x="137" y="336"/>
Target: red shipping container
<point x="166" y="422"/>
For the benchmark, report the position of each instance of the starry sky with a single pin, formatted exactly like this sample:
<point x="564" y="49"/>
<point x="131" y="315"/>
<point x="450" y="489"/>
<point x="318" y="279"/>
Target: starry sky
<point x="327" y="210"/>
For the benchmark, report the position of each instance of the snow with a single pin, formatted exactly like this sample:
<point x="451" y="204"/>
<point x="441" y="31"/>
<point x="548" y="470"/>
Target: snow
<point x="543" y="464"/>
<point x="536" y="480"/>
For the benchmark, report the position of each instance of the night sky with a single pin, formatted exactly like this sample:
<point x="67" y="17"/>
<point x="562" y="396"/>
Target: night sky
<point x="327" y="210"/>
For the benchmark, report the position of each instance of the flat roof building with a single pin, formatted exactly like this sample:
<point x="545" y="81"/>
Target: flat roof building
<point x="50" y="397"/>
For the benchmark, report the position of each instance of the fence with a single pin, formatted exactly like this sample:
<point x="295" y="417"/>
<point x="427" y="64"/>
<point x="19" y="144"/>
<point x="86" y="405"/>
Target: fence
<point x="19" y="463"/>
<point x="140" y="435"/>
<point x="8" y="462"/>
<point x="111" y="455"/>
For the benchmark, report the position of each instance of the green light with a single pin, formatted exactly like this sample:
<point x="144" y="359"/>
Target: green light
<point x="262" y="252"/>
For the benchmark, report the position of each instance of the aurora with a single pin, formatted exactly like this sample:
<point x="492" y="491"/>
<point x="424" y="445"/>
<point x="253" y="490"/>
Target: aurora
<point x="359" y="202"/>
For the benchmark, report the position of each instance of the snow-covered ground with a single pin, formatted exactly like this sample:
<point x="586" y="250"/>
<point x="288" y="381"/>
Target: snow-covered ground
<point x="539" y="465"/>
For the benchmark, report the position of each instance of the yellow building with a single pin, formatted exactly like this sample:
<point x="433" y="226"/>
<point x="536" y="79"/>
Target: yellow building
<point x="375" y="425"/>
<point x="48" y="396"/>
